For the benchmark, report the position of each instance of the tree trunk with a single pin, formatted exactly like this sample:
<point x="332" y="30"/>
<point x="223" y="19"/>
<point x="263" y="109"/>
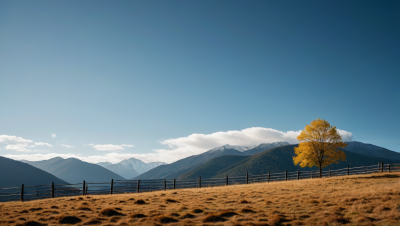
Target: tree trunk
<point x="320" y="170"/>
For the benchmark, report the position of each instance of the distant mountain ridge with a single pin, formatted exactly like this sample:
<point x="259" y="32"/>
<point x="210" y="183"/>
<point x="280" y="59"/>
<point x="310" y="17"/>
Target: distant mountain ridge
<point x="74" y="170"/>
<point x="178" y="168"/>
<point x="130" y="168"/>
<point x="16" y="173"/>
<point x="371" y="150"/>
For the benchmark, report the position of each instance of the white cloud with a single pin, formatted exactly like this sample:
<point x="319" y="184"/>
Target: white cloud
<point x="18" y="147"/>
<point x="67" y="146"/>
<point x="20" y="144"/>
<point x="53" y="135"/>
<point x="110" y="147"/>
<point x="185" y="146"/>
<point x="14" y="139"/>
<point x="346" y="136"/>
<point x="41" y="144"/>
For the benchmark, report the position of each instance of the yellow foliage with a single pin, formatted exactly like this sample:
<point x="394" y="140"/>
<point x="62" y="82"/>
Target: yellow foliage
<point x="319" y="145"/>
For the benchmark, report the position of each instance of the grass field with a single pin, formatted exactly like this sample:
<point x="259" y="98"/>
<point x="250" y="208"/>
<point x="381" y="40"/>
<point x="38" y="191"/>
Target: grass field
<point x="372" y="199"/>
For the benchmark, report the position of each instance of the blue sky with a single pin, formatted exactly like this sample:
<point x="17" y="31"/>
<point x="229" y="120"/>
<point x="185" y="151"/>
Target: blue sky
<point x="152" y="73"/>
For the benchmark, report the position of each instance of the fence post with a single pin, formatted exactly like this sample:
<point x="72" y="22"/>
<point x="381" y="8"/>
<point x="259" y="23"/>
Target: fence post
<point x="312" y="174"/>
<point x="84" y="187"/>
<point x="348" y="169"/>
<point x="382" y="167"/>
<point x="226" y="180"/>
<point x="286" y="175"/>
<point x="112" y="186"/>
<point x="87" y="186"/>
<point x="22" y="193"/>
<point x="165" y="184"/>
<point x="389" y="168"/>
<point x="247" y="177"/>
<point x="379" y="167"/>
<point x="298" y="174"/>
<point x="199" y="181"/>
<point x="269" y="174"/>
<point x="138" y="186"/>
<point x="330" y="174"/>
<point x="52" y="189"/>
<point x="37" y="192"/>
<point x="174" y="183"/>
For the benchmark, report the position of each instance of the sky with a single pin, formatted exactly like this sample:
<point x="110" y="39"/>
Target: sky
<point x="163" y="80"/>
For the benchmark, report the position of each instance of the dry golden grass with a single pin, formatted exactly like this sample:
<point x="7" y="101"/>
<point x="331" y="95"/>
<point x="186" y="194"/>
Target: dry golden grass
<point x="353" y="200"/>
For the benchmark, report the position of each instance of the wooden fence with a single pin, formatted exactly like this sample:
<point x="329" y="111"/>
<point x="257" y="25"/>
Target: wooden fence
<point x="25" y="193"/>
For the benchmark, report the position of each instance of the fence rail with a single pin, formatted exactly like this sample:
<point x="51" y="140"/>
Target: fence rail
<point x="25" y="193"/>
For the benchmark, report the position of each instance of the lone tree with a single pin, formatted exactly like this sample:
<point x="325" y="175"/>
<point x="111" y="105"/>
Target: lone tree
<point x="319" y="144"/>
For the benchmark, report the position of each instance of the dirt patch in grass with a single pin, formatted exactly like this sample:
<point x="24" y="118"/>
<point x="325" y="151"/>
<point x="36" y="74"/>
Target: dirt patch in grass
<point x="227" y="213"/>
<point x="198" y="211"/>
<point x="63" y="219"/>
<point x="335" y="218"/>
<point x="188" y="216"/>
<point x="85" y="208"/>
<point x="244" y="201"/>
<point x="140" y="202"/>
<point x="31" y="223"/>
<point x="35" y="209"/>
<point x="164" y="219"/>
<point x="109" y="212"/>
<point x="171" y="200"/>
<point x="247" y="210"/>
<point x="175" y="215"/>
<point x="212" y="218"/>
<point x="137" y="215"/>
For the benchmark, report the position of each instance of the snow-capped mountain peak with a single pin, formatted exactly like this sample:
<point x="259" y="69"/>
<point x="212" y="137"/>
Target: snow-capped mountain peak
<point x="245" y="148"/>
<point x="270" y="145"/>
<point x="130" y="168"/>
<point x="228" y="146"/>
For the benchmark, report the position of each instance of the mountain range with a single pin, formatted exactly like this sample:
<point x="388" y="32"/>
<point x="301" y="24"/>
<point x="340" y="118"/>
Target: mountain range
<point x="73" y="170"/>
<point x="274" y="157"/>
<point x="130" y="168"/>
<point x="176" y="169"/>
